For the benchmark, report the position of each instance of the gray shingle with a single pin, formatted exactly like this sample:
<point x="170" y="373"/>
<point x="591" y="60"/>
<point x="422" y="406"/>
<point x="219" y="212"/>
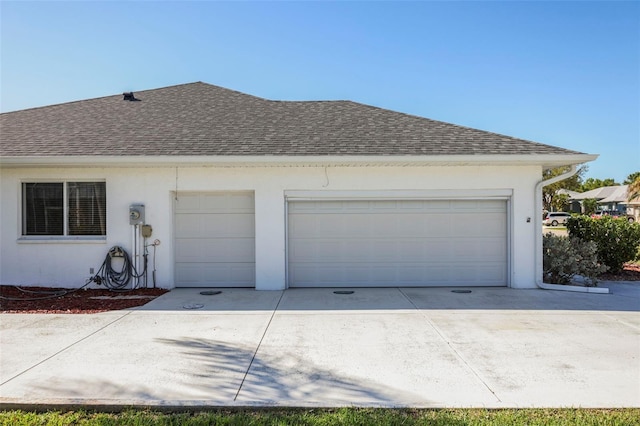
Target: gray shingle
<point x="202" y="119"/>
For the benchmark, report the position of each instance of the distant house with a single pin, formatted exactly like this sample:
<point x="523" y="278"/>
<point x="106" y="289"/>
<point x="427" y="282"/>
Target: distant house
<point x="610" y="198"/>
<point x="574" y="204"/>
<point x="242" y="191"/>
<point x="616" y="200"/>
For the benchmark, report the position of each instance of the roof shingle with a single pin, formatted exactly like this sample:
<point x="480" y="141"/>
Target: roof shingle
<point x="199" y="119"/>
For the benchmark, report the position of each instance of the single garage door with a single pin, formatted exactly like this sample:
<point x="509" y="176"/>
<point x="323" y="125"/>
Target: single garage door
<point x="215" y="240"/>
<point x="397" y="243"/>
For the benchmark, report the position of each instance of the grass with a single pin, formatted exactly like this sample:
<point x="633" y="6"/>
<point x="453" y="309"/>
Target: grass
<point x="326" y="417"/>
<point x="557" y="227"/>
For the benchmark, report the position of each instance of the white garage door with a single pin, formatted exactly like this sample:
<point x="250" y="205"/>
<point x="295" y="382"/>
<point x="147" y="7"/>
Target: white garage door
<point x="397" y="243"/>
<point x="215" y="240"/>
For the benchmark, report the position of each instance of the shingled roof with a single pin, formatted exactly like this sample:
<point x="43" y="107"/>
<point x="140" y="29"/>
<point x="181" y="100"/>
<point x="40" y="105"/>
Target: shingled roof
<point x="200" y="119"/>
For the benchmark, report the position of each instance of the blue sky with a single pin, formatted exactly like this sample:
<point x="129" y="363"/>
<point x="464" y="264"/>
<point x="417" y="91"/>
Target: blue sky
<point x="561" y="73"/>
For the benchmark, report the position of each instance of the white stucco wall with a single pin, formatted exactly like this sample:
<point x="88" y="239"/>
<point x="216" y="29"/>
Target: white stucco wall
<point x="66" y="263"/>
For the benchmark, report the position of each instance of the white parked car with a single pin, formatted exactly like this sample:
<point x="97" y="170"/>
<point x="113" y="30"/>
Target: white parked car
<point x="555" y="218"/>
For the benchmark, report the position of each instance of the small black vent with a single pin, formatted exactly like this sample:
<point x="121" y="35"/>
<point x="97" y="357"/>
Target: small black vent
<point x="128" y="96"/>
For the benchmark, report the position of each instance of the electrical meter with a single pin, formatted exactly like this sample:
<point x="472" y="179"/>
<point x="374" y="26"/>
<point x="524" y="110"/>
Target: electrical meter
<point x="136" y="214"/>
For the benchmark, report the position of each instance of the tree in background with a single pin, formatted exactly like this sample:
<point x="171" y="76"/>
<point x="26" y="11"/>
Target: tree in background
<point x="634" y="186"/>
<point x="552" y="201"/>
<point x="560" y="202"/>
<point x="589" y="206"/>
<point x="550" y="194"/>
<point x="633" y="177"/>
<point x="592" y="183"/>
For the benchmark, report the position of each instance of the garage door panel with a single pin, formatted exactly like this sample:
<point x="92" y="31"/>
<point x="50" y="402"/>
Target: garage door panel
<point x="479" y="274"/>
<point x="215" y="203"/>
<point x="475" y="248"/>
<point x="207" y="225"/>
<point x="229" y="203"/>
<point x="309" y="250"/>
<point x="215" y="275"/>
<point x="481" y="225"/>
<point x="434" y="226"/>
<point x="409" y="275"/>
<point x="477" y="206"/>
<point x="214" y="250"/>
<point x="403" y="242"/>
<point x="187" y="202"/>
<point x="238" y="225"/>
<point x="311" y="226"/>
<point x="376" y="225"/>
<point x="215" y="240"/>
<point x="374" y="251"/>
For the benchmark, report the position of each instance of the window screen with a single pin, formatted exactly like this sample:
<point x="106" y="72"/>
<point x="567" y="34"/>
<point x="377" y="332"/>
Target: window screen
<point x="46" y="209"/>
<point x="86" y="208"/>
<point x="43" y="209"/>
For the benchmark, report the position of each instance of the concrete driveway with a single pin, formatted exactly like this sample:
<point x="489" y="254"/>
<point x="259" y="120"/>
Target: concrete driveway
<point x="492" y="347"/>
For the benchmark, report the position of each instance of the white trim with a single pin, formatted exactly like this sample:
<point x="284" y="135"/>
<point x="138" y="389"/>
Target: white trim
<point x="544" y="160"/>
<point x="172" y="235"/>
<point x="510" y="248"/>
<point x="427" y="194"/>
<point x="286" y="242"/>
<point x="65" y="210"/>
<point x="62" y="239"/>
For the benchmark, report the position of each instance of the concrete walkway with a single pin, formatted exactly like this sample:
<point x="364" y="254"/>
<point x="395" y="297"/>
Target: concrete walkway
<point x="493" y="347"/>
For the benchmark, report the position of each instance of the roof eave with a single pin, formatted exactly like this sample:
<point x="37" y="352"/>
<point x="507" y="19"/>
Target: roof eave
<point x="546" y="161"/>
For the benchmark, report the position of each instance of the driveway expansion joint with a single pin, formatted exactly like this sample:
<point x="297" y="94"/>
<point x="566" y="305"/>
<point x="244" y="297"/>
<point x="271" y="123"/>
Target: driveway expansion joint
<point x="246" y="373"/>
<point x="451" y="347"/>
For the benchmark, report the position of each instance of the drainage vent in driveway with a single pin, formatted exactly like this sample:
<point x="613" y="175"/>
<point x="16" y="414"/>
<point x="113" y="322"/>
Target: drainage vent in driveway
<point x="210" y="292"/>
<point x="343" y="292"/>
<point x="460" y="291"/>
<point x="193" y="306"/>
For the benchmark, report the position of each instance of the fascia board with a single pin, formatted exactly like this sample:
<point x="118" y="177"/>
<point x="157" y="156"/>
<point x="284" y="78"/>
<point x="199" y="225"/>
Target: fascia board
<point x="546" y="161"/>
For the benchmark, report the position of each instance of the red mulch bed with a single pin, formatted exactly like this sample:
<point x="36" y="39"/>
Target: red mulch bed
<point x="44" y="300"/>
<point x="631" y="272"/>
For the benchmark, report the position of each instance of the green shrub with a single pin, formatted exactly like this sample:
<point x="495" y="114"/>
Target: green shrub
<point x="617" y="239"/>
<point x="564" y="257"/>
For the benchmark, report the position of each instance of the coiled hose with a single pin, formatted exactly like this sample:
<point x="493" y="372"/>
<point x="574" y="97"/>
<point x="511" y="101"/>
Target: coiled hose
<point x="118" y="279"/>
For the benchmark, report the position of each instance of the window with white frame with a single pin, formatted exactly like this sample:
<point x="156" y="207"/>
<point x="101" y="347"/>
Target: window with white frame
<point x="64" y="208"/>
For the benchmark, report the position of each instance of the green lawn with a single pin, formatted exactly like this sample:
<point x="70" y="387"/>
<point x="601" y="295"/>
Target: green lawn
<point x="341" y="416"/>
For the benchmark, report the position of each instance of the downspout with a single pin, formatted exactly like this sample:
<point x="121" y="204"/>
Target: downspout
<point x="538" y="221"/>
<point x="538" y="241"/>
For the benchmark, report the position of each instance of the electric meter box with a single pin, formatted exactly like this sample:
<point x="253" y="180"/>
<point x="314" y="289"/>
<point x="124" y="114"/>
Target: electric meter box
<point x="136" y="214"/>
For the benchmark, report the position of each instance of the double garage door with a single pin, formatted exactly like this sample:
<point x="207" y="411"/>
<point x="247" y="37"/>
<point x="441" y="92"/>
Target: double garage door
<point x="368" y="243"/>
<point x="397" y="243"/>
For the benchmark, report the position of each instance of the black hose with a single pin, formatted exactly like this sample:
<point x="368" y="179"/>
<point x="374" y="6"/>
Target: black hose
<point x="119" y="279"/>
<point x="46" y="294"/>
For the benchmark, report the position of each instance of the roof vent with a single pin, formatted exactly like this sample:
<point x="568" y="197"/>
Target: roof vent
<point x="128" y="96"/>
